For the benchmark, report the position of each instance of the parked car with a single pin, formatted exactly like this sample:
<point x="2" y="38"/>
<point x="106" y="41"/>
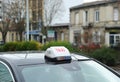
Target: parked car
<point x="56" y="64"/>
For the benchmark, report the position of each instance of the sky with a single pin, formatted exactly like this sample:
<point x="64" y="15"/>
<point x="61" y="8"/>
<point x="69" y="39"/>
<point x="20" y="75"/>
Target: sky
<point x="65" y="17"/>
<point x="89" y="0"/>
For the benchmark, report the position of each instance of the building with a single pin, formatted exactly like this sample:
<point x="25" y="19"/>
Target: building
<point x="36" y="18"/>
<point x="95" y="22"/>
<point x="58" y="32"/>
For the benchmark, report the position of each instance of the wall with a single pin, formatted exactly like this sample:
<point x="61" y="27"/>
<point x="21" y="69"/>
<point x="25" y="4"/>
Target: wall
<point x="105" y="19"/>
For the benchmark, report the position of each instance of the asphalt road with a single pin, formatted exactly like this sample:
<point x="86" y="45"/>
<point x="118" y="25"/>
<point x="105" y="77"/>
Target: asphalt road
<point x="117" y="68"/>
<point x="119" y="71"/>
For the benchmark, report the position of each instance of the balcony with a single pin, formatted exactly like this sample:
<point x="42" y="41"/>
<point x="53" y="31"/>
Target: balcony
<point x="88" y="25"/>
<point x="112" y="25"/>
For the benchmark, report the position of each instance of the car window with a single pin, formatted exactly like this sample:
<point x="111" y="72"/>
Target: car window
<point x="83" y="71"/>
<point x="5" y="75"/>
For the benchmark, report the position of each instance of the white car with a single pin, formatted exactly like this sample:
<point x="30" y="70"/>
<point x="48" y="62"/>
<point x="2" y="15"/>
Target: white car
<point x="56" y="64"/>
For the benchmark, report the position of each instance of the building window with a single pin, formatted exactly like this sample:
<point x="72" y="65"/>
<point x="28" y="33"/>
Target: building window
<point x="116" y="14"/>
<point x="85" y="17"/>
<point x="77" y="38"/>
<point x="114" y="39"/>
<point x="77" y="18"/>
<point x="34" y="15"/>
<point x="96" y="15"/>
<point x="62" y="36"/>
<point x="34" y="4"/>
<point x="40" y="4"/>
<point x="96" y="37"/>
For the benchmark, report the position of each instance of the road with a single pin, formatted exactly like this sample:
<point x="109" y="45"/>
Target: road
<point x="119" y="71"/>
<point x="117" y="68"/>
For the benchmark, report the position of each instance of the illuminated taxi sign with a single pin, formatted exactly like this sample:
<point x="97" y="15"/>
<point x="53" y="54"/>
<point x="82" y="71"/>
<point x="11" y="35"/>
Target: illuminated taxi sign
<point x="58" y="54"/>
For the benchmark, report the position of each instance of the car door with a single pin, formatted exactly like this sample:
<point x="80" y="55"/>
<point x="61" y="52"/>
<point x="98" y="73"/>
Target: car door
<point x="5" y="73"/>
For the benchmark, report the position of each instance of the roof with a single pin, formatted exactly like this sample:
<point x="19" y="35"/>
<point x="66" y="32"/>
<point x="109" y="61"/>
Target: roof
<point x="90" y="4"/>
<point x="29" y="57"/>
<point x="24" y="57"/>
<point x="60" y="25"/>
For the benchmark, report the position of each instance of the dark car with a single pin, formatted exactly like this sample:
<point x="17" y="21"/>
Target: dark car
<point x="57" y="64"/>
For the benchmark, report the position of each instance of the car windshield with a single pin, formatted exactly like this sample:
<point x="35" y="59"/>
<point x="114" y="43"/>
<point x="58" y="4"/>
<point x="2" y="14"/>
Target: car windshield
<point x="82" y="71"/>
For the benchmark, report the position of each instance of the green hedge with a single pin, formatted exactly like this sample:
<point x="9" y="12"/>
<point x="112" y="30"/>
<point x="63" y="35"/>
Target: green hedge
<point x="21" y="46"/>
<point x="32" y="45"/>
<point x="59" y="43"/>
<point x="10" y="46"/>
<point x="1" y="49"/>
<point x="105" y="55"/>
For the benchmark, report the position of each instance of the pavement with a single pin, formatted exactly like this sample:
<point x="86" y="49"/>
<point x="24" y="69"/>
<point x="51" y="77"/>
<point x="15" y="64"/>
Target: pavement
<point x="118" y="71"/>
<point x="117" y="68"/>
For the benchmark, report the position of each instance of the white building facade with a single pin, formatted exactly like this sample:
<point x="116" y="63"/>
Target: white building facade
<point x="96" y="22"/>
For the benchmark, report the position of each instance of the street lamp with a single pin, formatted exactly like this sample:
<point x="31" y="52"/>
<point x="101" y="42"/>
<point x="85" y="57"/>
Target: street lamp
<point x="27" y="20"/>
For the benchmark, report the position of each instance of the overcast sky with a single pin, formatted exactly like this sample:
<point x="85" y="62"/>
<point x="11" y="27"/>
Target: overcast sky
<point x="66" y="14"/>
<point x="89" y="0"/>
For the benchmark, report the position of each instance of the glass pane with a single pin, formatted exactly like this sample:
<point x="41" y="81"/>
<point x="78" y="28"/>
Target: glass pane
<point x="116" y="14"/>
<point x="84" y="71"/>
<point x="117" y="39"/>
<point x="77" y="18"/>
<point x="5" y="74"/>
<point x="112" y="40"/>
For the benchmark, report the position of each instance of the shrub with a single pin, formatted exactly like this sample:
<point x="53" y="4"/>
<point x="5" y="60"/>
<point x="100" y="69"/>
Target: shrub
<point x="116" y="46"/>
<point x="32" y="45"/>
<point x="22" y="46"/>
<point x="105" y="55"/>
<point x="11" y="46"/>
<point x="59" y="43"/>
<point x="90" y="47"/>
<point x="1" y="49"/>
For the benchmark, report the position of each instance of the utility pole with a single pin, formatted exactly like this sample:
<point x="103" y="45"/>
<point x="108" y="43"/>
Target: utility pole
<point x="27" y="20"/>
<point x="0" y="10"/>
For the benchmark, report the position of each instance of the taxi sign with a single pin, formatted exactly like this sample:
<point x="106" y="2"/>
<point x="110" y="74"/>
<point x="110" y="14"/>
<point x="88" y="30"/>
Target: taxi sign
<point x="57" y="53"/>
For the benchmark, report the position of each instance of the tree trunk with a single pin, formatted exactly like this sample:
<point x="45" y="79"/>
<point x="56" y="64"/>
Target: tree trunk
<point x="20" y="33"/>
<point x="4" y="37"/>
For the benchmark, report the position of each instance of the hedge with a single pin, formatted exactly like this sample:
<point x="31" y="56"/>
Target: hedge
<point x="32" y="45"/>
<point x="59" y="43"/>
<point x="21" y="46"/>
<point x="105" y="55"/>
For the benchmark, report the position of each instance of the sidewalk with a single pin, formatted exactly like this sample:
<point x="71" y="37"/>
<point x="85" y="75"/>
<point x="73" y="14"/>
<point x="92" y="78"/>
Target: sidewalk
<point x="117" y="68"/>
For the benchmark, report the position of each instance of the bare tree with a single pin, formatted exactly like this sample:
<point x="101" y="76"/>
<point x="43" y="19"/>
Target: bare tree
<point x="52" y="9"/>
<point x="4" y="28"/>
<point x="13" y="14"/>
<point x="5" y="19"/>
<point x="17" y="9"/>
